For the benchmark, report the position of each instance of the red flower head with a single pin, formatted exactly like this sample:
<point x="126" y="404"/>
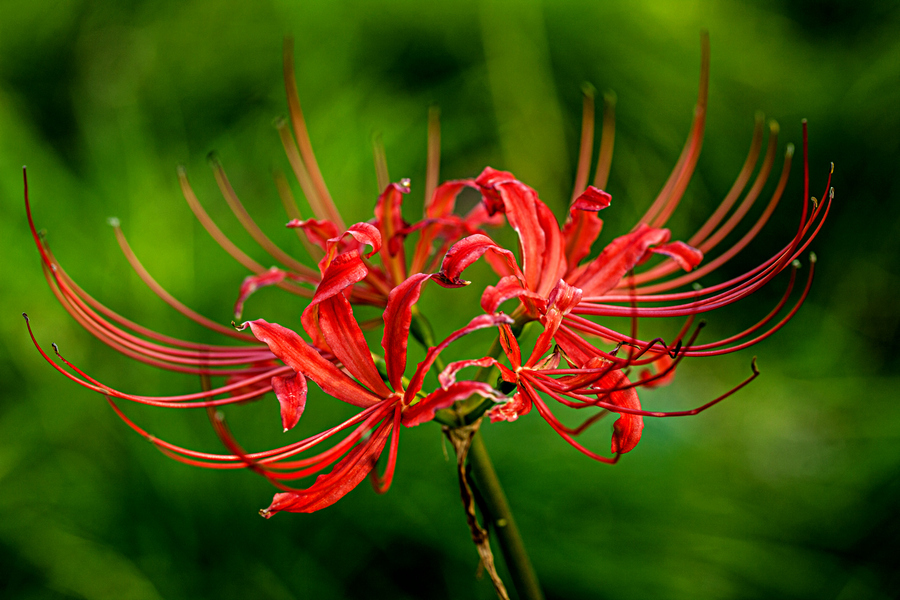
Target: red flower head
<point x="556" y="286"/>
<point x="386" y="400"/>
<point x="576" y="361"/>
<point x="252" y="370"/>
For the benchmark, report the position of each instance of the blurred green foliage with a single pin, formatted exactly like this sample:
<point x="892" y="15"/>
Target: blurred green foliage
<point x="788" y="490"/>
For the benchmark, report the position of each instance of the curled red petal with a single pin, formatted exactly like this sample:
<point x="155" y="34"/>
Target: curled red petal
<point x="579" y="233"/>
<point x="291" y="394"/>
<point x="344" y="271"/>
<point x="627" y="428"/>
<point x="465" y="252"/>
<point x="515" y="407"/>
<point x="423" y="411"/>
<point x="540" y="240"/>
<point x="252" y="283"/>
<point x="447" y="377"/>
<point x="520" y="206"/>
<point x="686" y="256"/>
<point x="487" y="182"/>
<point x="620" y="256"/>
<point x="583" y="225"/>
<point x="390" y="222"/>
<point x="441" y="222"/>
<point x="303" y="358"/>
<point x="552" y="264"/>
<point x="443" y="201"/>
<point x="317" y="231"/>
<point x="364" y="234"/>
<point x="397" y="318"/>
<point x="506" y="289"/>
<point x="593" y="199"/>
<point x="563" y="298"/>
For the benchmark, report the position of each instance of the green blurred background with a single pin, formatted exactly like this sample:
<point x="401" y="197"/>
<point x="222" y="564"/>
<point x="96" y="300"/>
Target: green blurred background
<point x="788" y="490"/>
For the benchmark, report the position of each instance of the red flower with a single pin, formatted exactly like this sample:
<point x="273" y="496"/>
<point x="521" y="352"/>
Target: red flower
<point x="552" y="279"/>
<point x="600" y="377"/>
<point x="329" y="321"/>
<point x="251" y="370"/>
<point x="388" y="399"/>
<point x="553" y="263"/>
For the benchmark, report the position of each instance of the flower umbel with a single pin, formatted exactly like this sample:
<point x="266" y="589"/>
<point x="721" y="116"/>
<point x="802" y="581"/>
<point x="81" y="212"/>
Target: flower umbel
<point x="551" y="284"/>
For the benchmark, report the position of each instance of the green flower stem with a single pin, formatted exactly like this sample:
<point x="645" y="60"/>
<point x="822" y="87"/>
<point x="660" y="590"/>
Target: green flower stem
<point x="499" y="515"/>
<point x="502" y="522"/>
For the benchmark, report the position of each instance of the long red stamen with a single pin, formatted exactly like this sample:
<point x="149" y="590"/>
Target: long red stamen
<point x="672" y="191"/>
<point x="237" y="207"/>
<point x="607" y="141"/>
<point x="222" y="239"/>
<point x="669" y="266"/>
<point x="586" y="147"/>
<point x="562" y="431"/>
<point x="323" y="198"/>
<point x="166" y="296"/>
<point x="739" y="184"/>
<point x="433" y="161"/>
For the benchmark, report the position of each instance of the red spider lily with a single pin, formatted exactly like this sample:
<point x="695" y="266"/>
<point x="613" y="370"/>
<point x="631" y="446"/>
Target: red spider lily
<point x="329" y="319"/>
<point x="249" y="369"/>
<point x="599" y="377"/>
<point x="552" y="259"/>
<point x="553" y="280"/>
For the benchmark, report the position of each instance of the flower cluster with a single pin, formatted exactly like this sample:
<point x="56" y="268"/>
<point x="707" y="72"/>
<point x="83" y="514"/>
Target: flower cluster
<point x="552" y="284"/>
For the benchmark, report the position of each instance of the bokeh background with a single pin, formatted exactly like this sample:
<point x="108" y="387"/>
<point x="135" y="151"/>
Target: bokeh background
<point x="788" y="490"/>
